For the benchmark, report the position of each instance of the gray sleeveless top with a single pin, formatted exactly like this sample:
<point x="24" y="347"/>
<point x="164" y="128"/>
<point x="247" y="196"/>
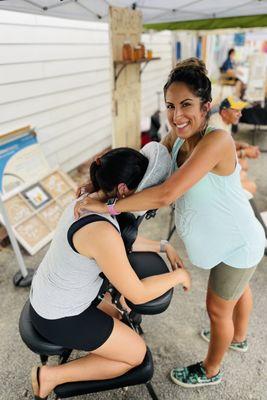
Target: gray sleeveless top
<point x="66" y="282"/>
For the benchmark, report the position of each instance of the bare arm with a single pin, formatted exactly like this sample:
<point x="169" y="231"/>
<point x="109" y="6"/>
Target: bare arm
<point x="241" y="145"/>
<point x="212" y="151"/>
<point x="103" y="243"/>
<point x="206" y="156"/>
<point x="144" y="244"/>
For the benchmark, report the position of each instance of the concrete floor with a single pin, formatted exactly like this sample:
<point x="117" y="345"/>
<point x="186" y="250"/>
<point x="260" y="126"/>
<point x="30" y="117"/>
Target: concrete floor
<point x="172" y="336"/>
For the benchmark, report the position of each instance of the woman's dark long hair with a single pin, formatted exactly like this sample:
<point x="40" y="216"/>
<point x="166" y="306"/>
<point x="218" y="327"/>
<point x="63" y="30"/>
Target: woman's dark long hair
<point x="193" y="73"/>
<point x="121" y="165"/>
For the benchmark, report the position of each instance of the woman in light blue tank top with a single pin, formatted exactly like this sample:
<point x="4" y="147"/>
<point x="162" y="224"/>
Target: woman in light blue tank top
<point x="212" y="215"/>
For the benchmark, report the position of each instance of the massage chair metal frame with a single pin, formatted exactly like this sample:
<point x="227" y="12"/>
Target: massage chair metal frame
<point x="138" y="375"/>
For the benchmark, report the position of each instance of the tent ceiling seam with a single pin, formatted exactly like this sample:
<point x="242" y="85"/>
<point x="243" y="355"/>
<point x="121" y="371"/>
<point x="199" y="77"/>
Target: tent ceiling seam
<point x="58" y="5"/>
<point x="87" y="9"/>
<point x="33" y="4"/>
<point x="234" y="8"/>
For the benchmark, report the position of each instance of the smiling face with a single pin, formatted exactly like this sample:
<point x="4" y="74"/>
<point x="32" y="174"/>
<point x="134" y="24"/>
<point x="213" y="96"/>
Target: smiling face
<point x="186" y="115"/>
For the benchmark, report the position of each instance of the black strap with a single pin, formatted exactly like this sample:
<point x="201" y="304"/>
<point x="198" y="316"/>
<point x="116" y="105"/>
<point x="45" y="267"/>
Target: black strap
<point x="80" y="223"/>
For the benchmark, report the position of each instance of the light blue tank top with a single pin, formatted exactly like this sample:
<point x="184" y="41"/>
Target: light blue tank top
<point x="216" y="222"/>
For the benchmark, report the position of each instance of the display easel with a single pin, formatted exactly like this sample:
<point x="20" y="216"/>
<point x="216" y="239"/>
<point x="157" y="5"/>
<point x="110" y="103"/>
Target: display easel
<point x="23" y="277"/>
<point x="32" y="196"/>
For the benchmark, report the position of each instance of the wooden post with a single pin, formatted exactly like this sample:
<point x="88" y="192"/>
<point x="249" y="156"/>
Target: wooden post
<point x="124" y="25"/>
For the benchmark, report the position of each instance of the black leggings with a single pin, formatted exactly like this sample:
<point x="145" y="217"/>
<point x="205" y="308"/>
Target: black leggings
<point x="86" y="331"/>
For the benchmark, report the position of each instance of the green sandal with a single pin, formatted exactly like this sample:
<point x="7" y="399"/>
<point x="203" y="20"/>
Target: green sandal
<point x="237" y="346"/>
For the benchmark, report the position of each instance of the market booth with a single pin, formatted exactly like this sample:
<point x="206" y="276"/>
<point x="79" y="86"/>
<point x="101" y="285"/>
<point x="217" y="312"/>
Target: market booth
<point x="126" y="69"/>
<point x="125" y="74"/>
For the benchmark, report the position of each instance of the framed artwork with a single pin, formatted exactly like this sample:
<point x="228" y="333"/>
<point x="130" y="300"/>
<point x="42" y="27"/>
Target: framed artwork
<point x="32" y="203"/>
<point x="36" y="195"/>
<point x="55" y="184"/>
<point x="66" y="198"/>
<point x="32" y="231"/>
<point x="35" y="211"/>
<point x="17" y="209"/>
<point x="51" y="214"/>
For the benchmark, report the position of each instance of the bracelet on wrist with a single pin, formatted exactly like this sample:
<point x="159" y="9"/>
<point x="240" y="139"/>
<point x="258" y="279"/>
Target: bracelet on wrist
<point x="111" y="206"/>
<point x="163" y="243"/>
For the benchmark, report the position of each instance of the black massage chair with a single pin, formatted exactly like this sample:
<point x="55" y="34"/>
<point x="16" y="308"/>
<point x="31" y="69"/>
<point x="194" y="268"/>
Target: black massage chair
<point x="144" y="264"/>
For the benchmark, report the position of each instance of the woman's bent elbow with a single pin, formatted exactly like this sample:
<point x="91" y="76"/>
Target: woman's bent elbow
<point x="136" y="299"/>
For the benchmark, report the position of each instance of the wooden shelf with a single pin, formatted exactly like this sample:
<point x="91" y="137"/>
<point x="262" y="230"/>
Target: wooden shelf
<point x="123" y="64"/>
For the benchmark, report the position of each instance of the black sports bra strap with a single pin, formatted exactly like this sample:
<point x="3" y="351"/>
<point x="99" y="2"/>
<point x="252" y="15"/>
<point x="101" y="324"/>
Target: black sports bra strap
<point x="80" y="223"/>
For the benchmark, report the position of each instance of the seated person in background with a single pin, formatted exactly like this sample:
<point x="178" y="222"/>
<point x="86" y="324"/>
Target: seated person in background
<point x="228" y="71"/>
<point x="230" y="112"/>
<point x="67" y="307"/>
<point x="228" y="65"/>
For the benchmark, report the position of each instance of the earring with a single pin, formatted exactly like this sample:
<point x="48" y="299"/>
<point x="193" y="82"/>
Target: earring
<point x="123" y="196"/>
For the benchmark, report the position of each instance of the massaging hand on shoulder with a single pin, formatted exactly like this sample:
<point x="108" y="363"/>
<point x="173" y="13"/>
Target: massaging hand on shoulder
<point x="214" y="153"/>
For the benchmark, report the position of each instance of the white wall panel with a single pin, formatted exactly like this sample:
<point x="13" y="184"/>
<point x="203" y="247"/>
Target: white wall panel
<point x="84" y="155"/>
<point x="17" y="109"/>
<point x="48" y="86"/>
<point x="11" y="73"/>
<point x="55" y="76"/>
<point x="62" y="113"/>
<point x="49" y="35"/>
<point x="156" y="72"/>
<point x="78" y="131"/>
<point x="20" y="53"/>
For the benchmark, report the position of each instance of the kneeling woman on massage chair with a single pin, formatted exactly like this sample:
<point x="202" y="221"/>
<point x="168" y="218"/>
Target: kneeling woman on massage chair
<point x="65" y="308"/>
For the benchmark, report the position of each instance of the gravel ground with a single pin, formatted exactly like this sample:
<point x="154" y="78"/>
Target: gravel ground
<point x="172" y="336"/>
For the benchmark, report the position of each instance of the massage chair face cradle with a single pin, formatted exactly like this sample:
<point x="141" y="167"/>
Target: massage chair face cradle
<point x="145" y="264"/>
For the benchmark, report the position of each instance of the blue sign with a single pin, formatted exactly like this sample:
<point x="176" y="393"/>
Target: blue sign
<point x="239" y="39"/>
<point x="10" y="149"/>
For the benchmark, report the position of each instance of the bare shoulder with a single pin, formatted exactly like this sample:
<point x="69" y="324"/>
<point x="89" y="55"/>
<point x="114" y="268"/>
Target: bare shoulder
<point x="219" y="134"/>
<point x="217" y="137"/>
<point x="220" y="143"/>
<point x="95" y="235"/>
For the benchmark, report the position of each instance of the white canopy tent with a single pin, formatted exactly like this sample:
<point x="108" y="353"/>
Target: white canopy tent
<point x="155" y="11"/>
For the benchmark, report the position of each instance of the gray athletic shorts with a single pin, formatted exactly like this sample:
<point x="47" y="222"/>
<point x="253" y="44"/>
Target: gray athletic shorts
<point x="229" y="282"/>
